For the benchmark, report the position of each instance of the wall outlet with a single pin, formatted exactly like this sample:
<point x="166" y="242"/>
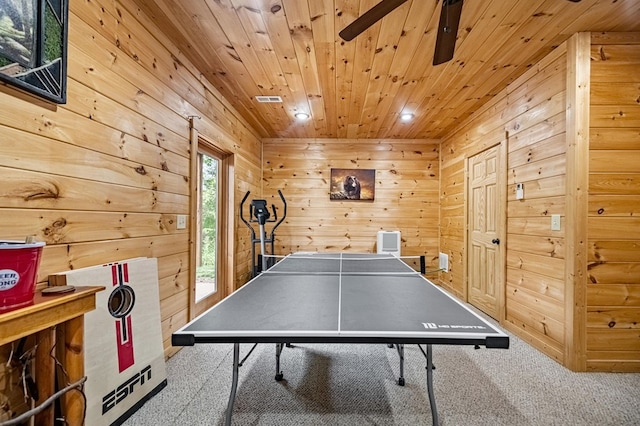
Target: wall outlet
<point x="443" y="262"/>
<point x="181" y="221"/>
<point x="555" y="222"/>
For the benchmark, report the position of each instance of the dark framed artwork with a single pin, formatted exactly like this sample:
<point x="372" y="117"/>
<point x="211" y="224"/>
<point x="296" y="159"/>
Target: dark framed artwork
<point x="352" y="184"/>
<point x="33" y="47"/>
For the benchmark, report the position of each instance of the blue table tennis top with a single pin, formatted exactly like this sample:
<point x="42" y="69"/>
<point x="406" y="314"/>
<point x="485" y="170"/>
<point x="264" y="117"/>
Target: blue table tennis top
<point x="339" y="297"/>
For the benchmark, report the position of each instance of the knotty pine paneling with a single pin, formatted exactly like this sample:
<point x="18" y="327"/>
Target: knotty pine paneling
<point x="530" y="116"/>
<point x="547" y="326"/>
<point x="538" y="245"/>
<point x="406" y="194"/>
<point x="614" y="295"/>
<point x="356" y="89"/>
<point x="534" y="111"/>
<point x="613" y="278"/>
<point x="103" y="177"/>
<point x="613" y="138"/>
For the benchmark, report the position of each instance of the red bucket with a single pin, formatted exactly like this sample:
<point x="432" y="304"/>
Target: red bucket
<point x="19" y="263"/>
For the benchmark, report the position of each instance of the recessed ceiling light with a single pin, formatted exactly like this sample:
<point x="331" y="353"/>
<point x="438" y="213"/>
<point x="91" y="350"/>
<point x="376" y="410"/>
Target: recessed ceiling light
<point x="301" y="115"/>
<point x="406" y="116"/>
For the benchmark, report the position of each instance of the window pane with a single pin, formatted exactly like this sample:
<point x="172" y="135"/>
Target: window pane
<point x="207" y="247"/>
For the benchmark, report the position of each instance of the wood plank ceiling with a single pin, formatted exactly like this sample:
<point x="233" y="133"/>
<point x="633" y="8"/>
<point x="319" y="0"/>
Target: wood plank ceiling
<point x="357" y="89"/>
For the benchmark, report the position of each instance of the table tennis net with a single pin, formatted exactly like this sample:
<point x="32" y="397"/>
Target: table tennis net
<point x="341" y="264"/>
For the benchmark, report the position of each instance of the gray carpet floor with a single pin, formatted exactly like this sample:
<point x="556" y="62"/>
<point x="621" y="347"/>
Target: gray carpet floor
<point x="356" y="385"/>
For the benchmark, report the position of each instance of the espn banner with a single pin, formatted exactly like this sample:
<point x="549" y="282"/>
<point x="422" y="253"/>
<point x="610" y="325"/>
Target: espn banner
<point x="124" y="357"/>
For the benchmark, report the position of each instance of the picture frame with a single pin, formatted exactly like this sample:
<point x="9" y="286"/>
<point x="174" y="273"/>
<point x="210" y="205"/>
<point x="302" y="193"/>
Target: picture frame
<point x="352" y="184"/>
<point x="33" y="47"/>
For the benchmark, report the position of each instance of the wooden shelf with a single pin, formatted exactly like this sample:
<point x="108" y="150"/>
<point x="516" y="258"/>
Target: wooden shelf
<point x="67" y="312"/>
<point x="46" y="312"/>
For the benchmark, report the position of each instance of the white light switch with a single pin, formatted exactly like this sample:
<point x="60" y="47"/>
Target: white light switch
<point x="519" y="191"/>
<point x="181" y="221"/>
<point x="555" y="222"/>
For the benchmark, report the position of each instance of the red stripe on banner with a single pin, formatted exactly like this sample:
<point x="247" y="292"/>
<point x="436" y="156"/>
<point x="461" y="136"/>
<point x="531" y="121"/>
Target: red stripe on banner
<point x="124" y="340"/>
<point x="114" y="275"/>
<point x="125" y="267"/>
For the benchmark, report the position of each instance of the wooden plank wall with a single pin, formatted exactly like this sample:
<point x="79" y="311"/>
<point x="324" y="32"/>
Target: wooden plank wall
<point x="406" y="194"/>
<point x="103" y="177"/>
<point x="613" y="285"/>
<point x="530" y="114"/>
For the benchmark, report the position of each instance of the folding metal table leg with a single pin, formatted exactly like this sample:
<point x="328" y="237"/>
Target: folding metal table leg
<point x="432" y="399"/>
<point x="400" y="348"/>
<point x="279" y="347"/>
<point x="234" y="384"/>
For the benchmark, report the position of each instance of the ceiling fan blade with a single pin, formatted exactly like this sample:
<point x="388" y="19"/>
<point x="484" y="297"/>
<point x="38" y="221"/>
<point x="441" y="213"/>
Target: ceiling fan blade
<point x="447" y="31"/>
<point x="369" y="18"/>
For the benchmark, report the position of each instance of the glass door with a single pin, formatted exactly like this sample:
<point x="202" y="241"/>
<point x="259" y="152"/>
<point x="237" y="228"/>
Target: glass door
<point x="211" y="236"/>
<point x="207" y="244"/>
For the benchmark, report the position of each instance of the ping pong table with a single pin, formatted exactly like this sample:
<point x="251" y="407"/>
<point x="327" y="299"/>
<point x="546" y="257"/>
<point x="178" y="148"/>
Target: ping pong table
<point x="340" y="298"/>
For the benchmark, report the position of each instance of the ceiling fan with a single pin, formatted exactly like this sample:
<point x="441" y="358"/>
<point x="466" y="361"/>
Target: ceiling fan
<point x="447" y="27"/>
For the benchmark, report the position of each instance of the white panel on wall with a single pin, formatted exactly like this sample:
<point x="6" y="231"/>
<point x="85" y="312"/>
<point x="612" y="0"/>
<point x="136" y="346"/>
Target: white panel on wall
<point x="389" y="242"/>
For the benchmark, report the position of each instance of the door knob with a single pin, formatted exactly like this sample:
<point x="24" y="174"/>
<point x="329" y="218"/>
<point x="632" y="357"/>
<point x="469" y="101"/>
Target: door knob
<point x="496" y="241"/>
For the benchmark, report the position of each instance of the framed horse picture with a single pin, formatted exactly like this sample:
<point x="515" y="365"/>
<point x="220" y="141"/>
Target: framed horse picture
<point x="352" y="184"/>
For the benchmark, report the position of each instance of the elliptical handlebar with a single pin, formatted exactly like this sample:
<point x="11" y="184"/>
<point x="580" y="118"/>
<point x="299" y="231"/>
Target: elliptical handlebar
<point x="284" y="213"/>
<point x="242" y="209"/>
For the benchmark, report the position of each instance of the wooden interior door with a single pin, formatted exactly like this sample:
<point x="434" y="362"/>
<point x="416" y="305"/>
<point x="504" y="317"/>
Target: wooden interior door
<point x="484" y="258"/>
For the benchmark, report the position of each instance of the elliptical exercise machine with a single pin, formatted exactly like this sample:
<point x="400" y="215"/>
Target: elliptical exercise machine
<point x="259" y="213"/>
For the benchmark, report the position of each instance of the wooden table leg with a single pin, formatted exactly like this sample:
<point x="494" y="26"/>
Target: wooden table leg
<point x="45" y="374"/>
<point x="73" y="402"/>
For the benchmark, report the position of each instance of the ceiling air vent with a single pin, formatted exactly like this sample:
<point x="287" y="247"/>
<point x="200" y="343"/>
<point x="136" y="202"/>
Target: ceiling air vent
<point x="268" y="99"/>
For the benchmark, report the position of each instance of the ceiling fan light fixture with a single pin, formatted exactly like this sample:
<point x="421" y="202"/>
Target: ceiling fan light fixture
<point x="301" y="115"/>
<point x="406" y="116"/>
